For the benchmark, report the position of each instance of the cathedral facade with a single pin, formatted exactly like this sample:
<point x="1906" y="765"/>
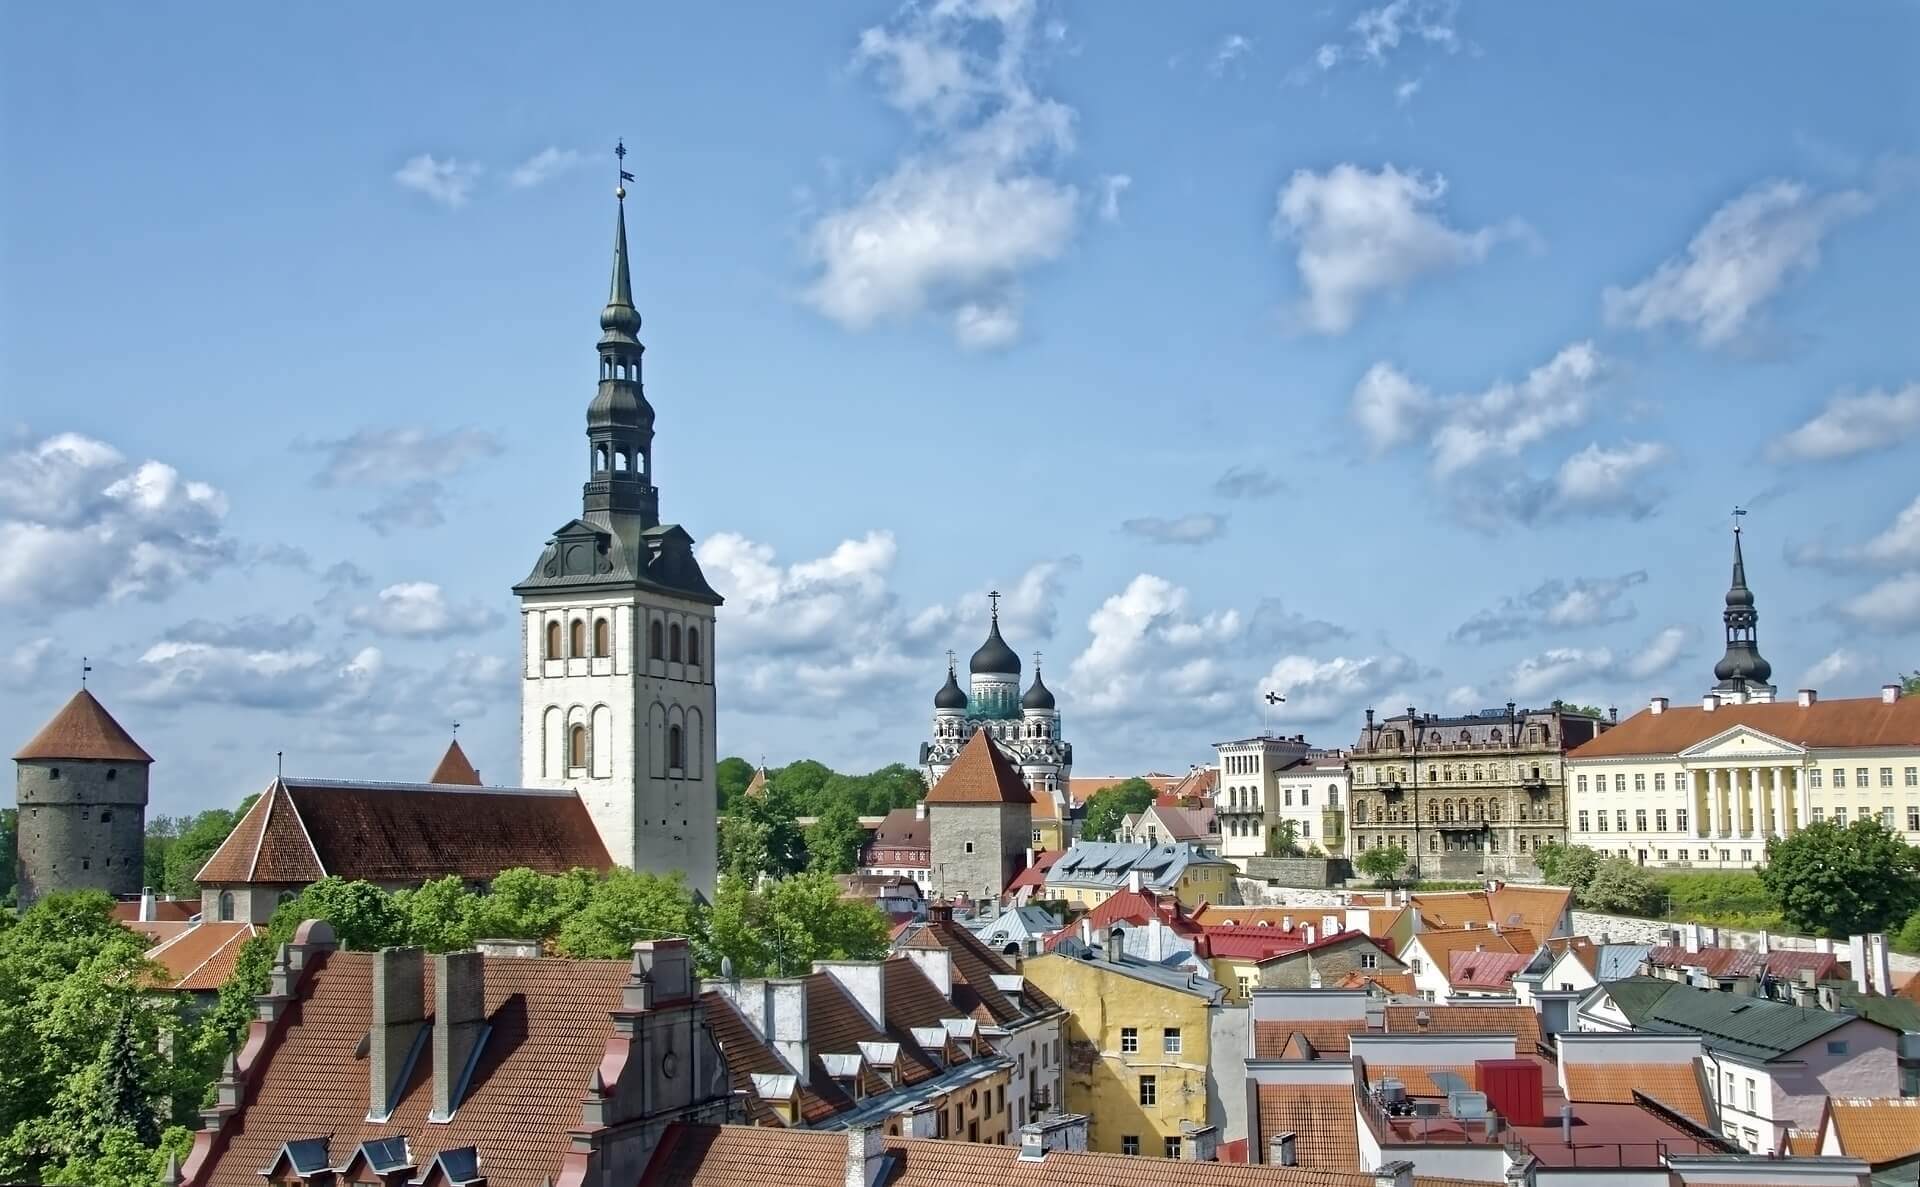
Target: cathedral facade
<point x="617" y="657"/>
<point x="1026" y="725"/>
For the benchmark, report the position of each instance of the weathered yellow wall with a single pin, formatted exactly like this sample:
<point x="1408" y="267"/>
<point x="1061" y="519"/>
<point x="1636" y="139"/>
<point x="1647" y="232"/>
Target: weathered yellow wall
<point x="1101" y="1080"/>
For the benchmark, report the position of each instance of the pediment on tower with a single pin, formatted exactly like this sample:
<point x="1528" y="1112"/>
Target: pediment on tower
<point x="580" y="553"/>
<point x="671" y="566"/>
<point x="1743" y="741"/>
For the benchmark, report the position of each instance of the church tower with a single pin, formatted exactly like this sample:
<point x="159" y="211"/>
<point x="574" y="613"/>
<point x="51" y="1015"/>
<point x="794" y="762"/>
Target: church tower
<point x="1742" y="673"/>
<point x="617" y="628"/>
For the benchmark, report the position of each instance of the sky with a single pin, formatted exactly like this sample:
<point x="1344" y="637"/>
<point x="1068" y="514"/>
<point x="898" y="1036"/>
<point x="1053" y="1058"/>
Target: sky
<point x="1376" y="355"/>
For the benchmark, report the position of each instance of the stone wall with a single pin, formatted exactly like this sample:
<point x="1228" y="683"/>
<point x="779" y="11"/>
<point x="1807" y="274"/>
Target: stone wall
<point x="1627" y="929"/>
<point x="1256" y="893"/>
<point x="82" y="826"/>
<point x="1317" y="873"/>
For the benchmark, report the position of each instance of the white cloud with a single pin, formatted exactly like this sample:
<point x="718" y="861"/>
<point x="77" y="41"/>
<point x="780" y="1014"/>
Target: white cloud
<point x="1112" y="185"/>
<point x="1362" y="233"/>
<point x="30" y="663"/>
<point x="985" y="327"/>
<point x="448" y="182"/>
<point x="1232" y="48"/>
<point x="79" y="524"/>
<point x="961" y="216"/>
<point x="1198" y="528"/>
<point x="1390" y="408"/>
<point x="1851" y="425"/>
<point x="1892" y="606"/>
<point x="1404" y="93"/>
<point x="1838" y="665"/>
<point x="547" y="163"/>
<point x="418" y="610"/>
<point x="1600" y="480"/>
<point x="1660" y="653"/>
<point x="1148" y="648"/>
<point x="1748" y="251"/>
<point x="1463" y="698"/>
<point x="178" y="672"/>
<point x="1377" y="33"/>
<point x="1555" y="605"/>
<point x="1562" y="670"/>
<point x="1331" y="691"/>
<point x="1896" y="546"/>
<point x="397" y="455"/>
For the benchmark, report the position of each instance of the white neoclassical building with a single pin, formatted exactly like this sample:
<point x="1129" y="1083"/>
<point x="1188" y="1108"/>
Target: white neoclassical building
<point x="1708" y="784"/>
<point x="1265" y="781"/>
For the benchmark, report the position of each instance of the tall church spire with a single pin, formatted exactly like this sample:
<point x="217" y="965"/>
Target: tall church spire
<point x="619" y="492"/>
<point x="1742" y="671"/>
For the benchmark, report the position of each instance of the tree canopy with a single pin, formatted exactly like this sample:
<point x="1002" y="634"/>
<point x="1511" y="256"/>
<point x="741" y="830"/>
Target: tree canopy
<point x="1620" y="887"/>
<point x="1837" y="881"/>
<point x="1109" y="806"/>
<point x="1571" y="866"/>
<point x="1383" y="863"/>
<point x="177" y="846"/>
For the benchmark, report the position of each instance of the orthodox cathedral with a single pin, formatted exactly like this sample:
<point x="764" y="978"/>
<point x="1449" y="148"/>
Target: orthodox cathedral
<point x="1027" y="727"/>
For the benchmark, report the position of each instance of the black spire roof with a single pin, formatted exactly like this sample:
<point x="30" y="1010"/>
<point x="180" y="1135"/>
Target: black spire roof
<point x="994" y="656"/>
<point x="950" y="695"/>
<point x="1039" y="696"/>
<point x="1742" y="667"/>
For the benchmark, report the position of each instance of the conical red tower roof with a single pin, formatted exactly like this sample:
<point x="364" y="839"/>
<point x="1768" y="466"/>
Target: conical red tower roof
<point x="454" y="767"/>
<point x="83" y="729"/>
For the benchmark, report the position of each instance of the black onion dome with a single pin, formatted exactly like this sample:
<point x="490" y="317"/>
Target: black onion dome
<point x="1039" y="696"/>
<point x="950" y="695"/>
<point x="994" y="656"/>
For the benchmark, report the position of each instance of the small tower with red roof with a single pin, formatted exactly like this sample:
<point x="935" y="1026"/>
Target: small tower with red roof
<point x="82" y="792"/>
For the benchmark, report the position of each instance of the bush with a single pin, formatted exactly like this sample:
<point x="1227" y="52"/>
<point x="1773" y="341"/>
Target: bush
<point x="1908" y="939"/>
<point x="1620" y="887"/>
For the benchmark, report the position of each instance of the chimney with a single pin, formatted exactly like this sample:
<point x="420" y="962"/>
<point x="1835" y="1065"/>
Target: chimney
<point x="1398" y="1173"/>
<point x="146" y="904"/>
<point x="1880" y="963"/>
<point x="1280" y="1149"/>
<point x="866" y="1155"/>
<point x="1889" y="693"/>
<point x="1199" y="1143"/>
<point x="1807" y="698"/>
<point x="1613" y="713"/>
<point x="866" y="983"/>
<point x="1692" y="933"/>
<point x="399" y="1017"/>
<point x="787" y="1023"/>
<point x="1286" y="923"/>
<point x="1136" y="881"/>
<point x="1806" y="992"/>
<point x="662" y="972"/>
<point x="1156" y="939"/>
<point x="1566" y="1125"/>
<point x="1765" y="943"/>
<point x="936" y="964"/>
<point x="923" y="1120"/>
<point x="1857" y="962"/>
<point x="459" y="1023"/>
<point x="1710" y="702"/>
<point x="920" y="810"/>
<point x="1657" y="705"/>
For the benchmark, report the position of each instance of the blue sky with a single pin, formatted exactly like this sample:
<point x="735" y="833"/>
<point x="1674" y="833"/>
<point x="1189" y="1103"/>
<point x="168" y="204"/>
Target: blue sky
<point x="1372" y="352"/>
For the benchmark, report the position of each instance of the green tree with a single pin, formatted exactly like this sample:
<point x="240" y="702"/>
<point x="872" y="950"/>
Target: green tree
<point x="1283" y="839"/>
<point x="781" y="929"/>
<point x="195" y="840"/>
<point x="802" y="782"/>
<point x="1107" y="807"/>
<point x="1384" y="863"/>
<point x="1908" y="940"/>
<point x="761" y="837"/>
<point x="9" y="852"/>
<point x="626" y="907"/>
<point x="1572" y="866"/>
<point x="1841" y="881"/>
<point x="364" y="917"/>
<point x="524" y="905"/>
<point x="834" y="840"/>
<point x="734" y="930"/>
<point x="1620" y="887"/>
<point x="730" y="778"/>
<point x="1910" y="684"/>
<point x="439" y="914"/>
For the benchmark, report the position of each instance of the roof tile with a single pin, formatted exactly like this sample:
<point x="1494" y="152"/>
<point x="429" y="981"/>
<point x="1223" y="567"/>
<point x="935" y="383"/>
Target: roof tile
<point x="981" y="774"/>
<point x="83" y="729"/>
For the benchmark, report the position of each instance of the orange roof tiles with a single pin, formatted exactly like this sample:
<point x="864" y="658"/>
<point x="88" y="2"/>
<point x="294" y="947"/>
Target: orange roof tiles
<point x="550" y="1027"/>
<point x="974" y="967"/>
<point x="980" y="774"/>
<point x="454" y="767"/>
<point x="1849" y="723"/>
<point x="1327" y="1036"/>
<point x="1675" y="1085"/>
<point x="1519" y="1021"/>
<point x="83" y="729"/>
<point x="1880" y="1131"/>
<point x="201" y="958"/>
<point x="303" y="830"/>
<point x="1441" y="945"/>
<point x="1321" y="1118"/>
<point x="1401" y="983"/>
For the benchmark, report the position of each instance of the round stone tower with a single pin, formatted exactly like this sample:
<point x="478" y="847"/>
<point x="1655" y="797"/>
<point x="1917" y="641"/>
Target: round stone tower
<point x="82" y="793"/>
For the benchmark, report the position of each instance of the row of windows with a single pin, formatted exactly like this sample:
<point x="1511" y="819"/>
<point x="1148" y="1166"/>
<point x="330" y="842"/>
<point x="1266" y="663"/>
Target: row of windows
<point x="1130" y="1144"/>
<point x="1816" y="778"/>
<point x="1130" y="1043"/>
<point x="1910" y="777"/>
<point x="662" y="643"/>
<point x="1240" y="826"/>
<point x="1448" y="773"/>
<point x="1524" y="843"/>
<point x="1600" y="820"/>
<point x="1487" y="809"/>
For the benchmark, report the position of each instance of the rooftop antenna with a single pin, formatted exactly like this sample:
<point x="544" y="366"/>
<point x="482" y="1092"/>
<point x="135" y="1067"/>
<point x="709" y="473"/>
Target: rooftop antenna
<point x="85" y="667"/>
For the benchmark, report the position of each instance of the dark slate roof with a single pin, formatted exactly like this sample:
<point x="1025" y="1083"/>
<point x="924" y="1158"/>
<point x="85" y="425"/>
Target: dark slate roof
<point x="302" y="830"/>
<point x="83" y="729"/>
<point x="583" y="555"/>
<point x="1748" y="1027"/>
<point x="1039" y="696"/>
<point x="994" y="656"/>
<point x="950" y="696"/>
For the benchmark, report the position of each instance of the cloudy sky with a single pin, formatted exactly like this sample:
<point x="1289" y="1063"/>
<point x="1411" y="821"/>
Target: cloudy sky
<point x="1373" y="354"/>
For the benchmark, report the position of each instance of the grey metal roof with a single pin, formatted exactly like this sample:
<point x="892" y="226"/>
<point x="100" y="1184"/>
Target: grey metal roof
<point x="1024" y="923"/>
<point x="1728" y="1023"/>
<point x="1106" y="864"/>
<point x="1615" y="962"/>
<point x="1164" y="975"/>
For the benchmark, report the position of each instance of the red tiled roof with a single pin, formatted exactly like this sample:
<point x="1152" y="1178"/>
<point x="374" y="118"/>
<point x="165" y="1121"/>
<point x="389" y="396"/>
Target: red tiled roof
<point x="1253" y="943"/>
<point x="301" y="831"/>
<point x="454" y="767"/>
<point x="1783" y="964"/>
<point x="164" y="909"/>
<point x="1485" y="970"/>
<point x="1321" y="1118"/>
<point x="1846" y="723"/>
<point x="981" y="774"/>
<point x="1035" y="875"/>
<point x="974" y="967"/>
<point x="902" y="828"/>
<point x="201" y="958"/>
<point x="1880" y="1131"/>
<point x="1327" y="1036"/>
<point x="1676" y="1085"/>
<point x="550" y="1025"/>
<point x="83" y="729"/>
<point x="1334" y="939"/>
<point x="1519" y="1021"/>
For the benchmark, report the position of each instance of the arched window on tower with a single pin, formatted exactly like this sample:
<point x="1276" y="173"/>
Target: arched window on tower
<point x="602" y="638"/>
<point x="577" y="746"/>
<point x="656" y="645"/>
<point x="226" y="906"/>
<point x="676" y="750"/>
<point x="693" y="645"/>
<point x="553" y="641"/>
<point x="620" y="460"/>
<point x="579" y="639"/>
<point x="673" y="643"/>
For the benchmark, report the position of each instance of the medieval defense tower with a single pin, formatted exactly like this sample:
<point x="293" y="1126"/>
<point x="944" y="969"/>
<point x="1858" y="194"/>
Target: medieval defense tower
<point x="82" y="792"/>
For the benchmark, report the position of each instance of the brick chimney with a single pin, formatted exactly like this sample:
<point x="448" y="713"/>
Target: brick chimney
<point x="1398" y="1173"/>
<point x="459" y="1023"/>
<point x="787" y="1024"/>
<point x="865" y="982"/>
<point x="1281" y="1149"/>
<point x="399" y="1018"/>
<point x="866" y="1155"/>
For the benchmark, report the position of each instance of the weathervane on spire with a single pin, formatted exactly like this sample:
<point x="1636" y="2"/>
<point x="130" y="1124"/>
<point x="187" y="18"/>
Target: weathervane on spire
<point x="993" y="599"/>
<point x="85" y="667"/>
<point x="620" y="152"/>
<point x="456" y="729"/>
<point x="1738" y="514"/>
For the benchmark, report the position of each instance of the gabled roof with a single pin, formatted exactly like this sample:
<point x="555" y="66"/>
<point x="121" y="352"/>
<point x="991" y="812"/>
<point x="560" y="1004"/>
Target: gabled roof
<point x="1485" y="970"/>
<point x="201" y="958"/>
<point x="454" y="767"/>
<point x="1321" y="1118"/>
<point x="83" y="729"/>
<point x="302" y="830"/>
<point x="1440" y="945"/>
<point x="1306" y="1038"/>
<point x="1847" y="723"/>
<point x="1880" y="1131"/>
<point x="975" y="966"/>
<point x="1676" y="1084"/>
<point x="1519" y="1021"/>
<point x="1749" y="1027"/>
<point x="1783" y="964"/>
<point x="981" y="774"/>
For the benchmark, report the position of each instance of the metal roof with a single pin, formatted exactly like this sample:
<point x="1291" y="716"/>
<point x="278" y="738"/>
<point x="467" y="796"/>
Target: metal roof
<point x="1730" y="1023"/>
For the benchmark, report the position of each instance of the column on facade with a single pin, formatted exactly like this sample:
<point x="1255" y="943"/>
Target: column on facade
<point x="1780" y="806"/>
<point x="1711" y="779"/>
<point x="1750" y="801"/>
<point x="1722" y="801"/>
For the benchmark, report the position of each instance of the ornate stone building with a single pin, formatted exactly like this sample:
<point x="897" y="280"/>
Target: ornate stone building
<point x="82" y="793"/>
<point x="617" y="644"/>
<point x="1026" y="726"/>
<point x="1465" y="796"/>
